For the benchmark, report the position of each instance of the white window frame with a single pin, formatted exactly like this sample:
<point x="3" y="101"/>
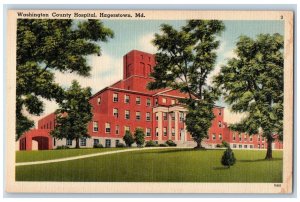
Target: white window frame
<point x="115" y="97"/>
<point x="156" y="132"/>
<point x="148" y="102"/>
<point x="165" y="131"/>
<point x="148" y="116"/>
<point x="115" y="112"/>
<point x="117" y="129"/>
<point x="126" y="99"/>
<point x="164" y="100"/>
<point x="107" y="128"/>
<point x="83" y="142"/>
<point x="138" y="100"/>
<point x="127" y="114"/>
<point x="148" y="132"/>
<point x="95" y="126"/>
<point x="69" y="142"/>
<point x="138" y="115"/>
<point x="173" y="131"/>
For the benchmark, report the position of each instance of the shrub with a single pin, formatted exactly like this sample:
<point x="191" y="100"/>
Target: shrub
<point x="139" y="137"/>
<point x="62" y="147"/>
<point x="120" y="145"/>
<point x="128" y="139"/>
<point x="171" y="143"/>
<point x="225" y="144"/>
<point x="150" y="143"/>
<point x="163" y="145"/>
<point x="228" y="158"/>
<point x="98" y="145"/>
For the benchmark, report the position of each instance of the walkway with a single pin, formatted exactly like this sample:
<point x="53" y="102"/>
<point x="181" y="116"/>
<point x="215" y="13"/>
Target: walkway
<point x="92" y="155"/>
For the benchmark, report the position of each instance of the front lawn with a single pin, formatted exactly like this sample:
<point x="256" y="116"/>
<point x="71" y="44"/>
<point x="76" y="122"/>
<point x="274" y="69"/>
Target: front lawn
<point x="164" y="165"/>
<point x="28" y="156"/>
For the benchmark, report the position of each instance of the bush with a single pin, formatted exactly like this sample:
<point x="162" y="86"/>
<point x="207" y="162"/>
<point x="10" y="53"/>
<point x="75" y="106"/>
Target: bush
<point x="128" y="139"/>
<point x="98" y="145"/>
<point x="163" y="145"/>
<point x="139" y="137"/>
<point x="150" y="143"/>
<point x="62" y="147"/>
<point x="171" y="143"/>
<point x="228" y="158"/>
<point x="225" y="144"/>
<point x="120" y="145"/>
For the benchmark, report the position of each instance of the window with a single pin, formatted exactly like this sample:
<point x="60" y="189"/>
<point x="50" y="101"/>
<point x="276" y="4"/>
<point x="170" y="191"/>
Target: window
<point x="138" y="115"/>
<point x="165" y="131"/>
<point x="54" y="141"/>
<point x="156" y="116"/>
<point x="117" y="130"/>
<point x="115" y="97"/>
<point x="262" y="146"/>
<point x="148" y="116"/>
<point x="258" y="137"/>
<point x="220" y="112"/>
<point x="126" y="99"/>
<point x="173" y="115"/>
<point x="164" y="100"/>
<point x="138" y="100"/>
<point x="251" y="138"/>
<point x="96" y="141"/>
<point x="172" y="102"/>
<point x="156" y="132"/>
<point x="251" y="146"/>
<point x="127" y="128"/>
<point x="107" y="143"/>
<point x="173" y="131"/>
<point x="148" y="132"/>
<point x="117" y="142"/>
<point x="220" y="124"/>
<point x="165" y="117"/>
<point x="245" y="146"/>
<point x="107" y="127"/>
<point x="95" y="126"/>
<point x="181" y="116"/>
<point x="240" y="146"/>
<point x="98" y="100"/>
<point x="234" y="145"/>
<point x="127" y="114"/>
<point x="240" y="137"/>
<point x="148" y="102"/>
<point x="69" y="142"/>
<point x="245" y="137"/>
<point x="258" y="146"/>
<point x="220" y="137"/>
<point x="213" y="136"/>
<point x="116" y="112"/>
<point x="156" y="101"/>
<point x="83" y="142"/>
<point x="233" y="136"/>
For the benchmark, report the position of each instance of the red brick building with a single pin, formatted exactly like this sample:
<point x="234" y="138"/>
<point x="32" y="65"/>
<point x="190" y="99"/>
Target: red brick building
<point x="128" y="104"/>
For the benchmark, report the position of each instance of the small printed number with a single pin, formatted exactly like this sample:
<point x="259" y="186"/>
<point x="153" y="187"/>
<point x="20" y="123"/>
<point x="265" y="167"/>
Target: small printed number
<point x="281" y="17"/>
<point x="277" y="185"/>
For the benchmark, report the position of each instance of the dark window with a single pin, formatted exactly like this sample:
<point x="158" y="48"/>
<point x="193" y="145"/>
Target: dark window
<point x="96" y="141"/>
<point x="107" y="143"/>
<point x="83" y="142"/>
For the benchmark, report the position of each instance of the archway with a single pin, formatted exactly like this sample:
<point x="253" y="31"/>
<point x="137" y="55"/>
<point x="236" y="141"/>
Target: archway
<point x="43" y="142"/>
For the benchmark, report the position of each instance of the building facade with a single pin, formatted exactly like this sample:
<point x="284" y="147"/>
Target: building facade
<point x="128" y="104"/>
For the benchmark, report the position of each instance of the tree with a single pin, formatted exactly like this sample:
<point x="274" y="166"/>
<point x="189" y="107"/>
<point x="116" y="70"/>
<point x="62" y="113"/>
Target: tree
<point x="253" y="83"/>
<point x="184" y="60"/>
<point x="74" y="114"/>
<point x="139" y="137"/>
<point x="128" y="139"/>
<point x="228" y="158"/>
<point x="45" y="46"/>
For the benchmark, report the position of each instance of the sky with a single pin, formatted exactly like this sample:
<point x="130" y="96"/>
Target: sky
<point x="138" y="34"/>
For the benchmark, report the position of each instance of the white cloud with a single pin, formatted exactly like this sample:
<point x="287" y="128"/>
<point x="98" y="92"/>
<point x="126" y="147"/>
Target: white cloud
<point x="215" y="72"/>
<point x="106" y="70"/>
<point x="232" y="117"/>
<point x="230" y="54"/>
<point x="145" y="43"/>
<point x="222" y="46"/>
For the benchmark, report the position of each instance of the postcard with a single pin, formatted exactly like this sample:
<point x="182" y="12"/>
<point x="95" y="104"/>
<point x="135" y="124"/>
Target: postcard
<point x="149" y="101"/>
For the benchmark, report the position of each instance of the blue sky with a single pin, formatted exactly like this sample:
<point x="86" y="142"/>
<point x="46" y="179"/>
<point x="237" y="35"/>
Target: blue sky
<point x="137" y="34"/>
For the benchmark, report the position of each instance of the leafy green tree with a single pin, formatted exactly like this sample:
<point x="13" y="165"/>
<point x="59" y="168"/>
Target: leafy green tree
<point x="74" y="114"/>
<point x="184" y="60"/>
<point x="253" y="83"/>
<point x="45" y="46"/>
<point x="228" y="158"/>
<point x="139" y="137"/>
<point x="128" y="139"/>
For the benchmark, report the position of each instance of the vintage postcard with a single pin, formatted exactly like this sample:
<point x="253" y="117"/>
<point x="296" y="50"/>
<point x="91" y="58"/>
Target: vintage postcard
<point x="147" y="101"/>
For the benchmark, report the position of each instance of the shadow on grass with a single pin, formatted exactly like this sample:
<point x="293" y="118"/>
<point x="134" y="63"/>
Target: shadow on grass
<point x="220" y="168"/>
<point x="171" y="150"/>
<point x="260" y="160"/>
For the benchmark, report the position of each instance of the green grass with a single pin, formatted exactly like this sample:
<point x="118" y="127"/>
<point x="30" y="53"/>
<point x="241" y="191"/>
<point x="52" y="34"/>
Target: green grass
<point x="28" y="156"/>
<point x="166" y="165"/>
